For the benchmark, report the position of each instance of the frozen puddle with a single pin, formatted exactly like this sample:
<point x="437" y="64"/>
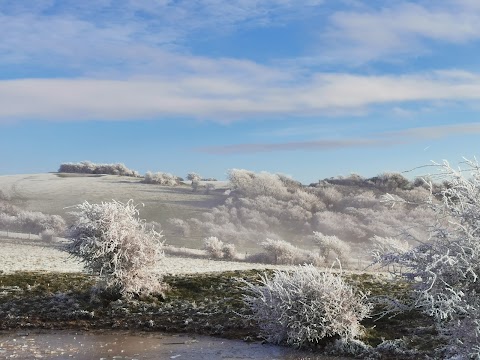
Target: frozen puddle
<point x="101" y="345"/>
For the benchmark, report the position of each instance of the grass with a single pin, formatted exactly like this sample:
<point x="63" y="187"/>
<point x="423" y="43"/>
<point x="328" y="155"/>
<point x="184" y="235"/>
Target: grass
<point x="209" y="304"/>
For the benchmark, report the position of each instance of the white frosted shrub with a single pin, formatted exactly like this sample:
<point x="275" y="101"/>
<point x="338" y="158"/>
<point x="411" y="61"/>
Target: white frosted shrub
<point x="330" y="196"/>
<point x="160" y="178"/>
<point x="213" y="247"/>
<point x="307" y="201"/>
<point x="251" y="184"/>
<point x="209" y="188"/>
<point x="445" y="269"/>
<point x="281" y="252"/>
<point x="305" y="305"/>
<point x="344" y="225"/>
<point x="33" y="222"/>
<point x="179" y="227"/>
<point x="387" y="245"/>
<point x="195" y="185"/>
<point x="47" y="235"/>
<point x="229" y="251"/>
<point x="329" y="244"/>
<point x="114" y="243"/>
<point x="194" y="176"/>
<point x="87" y="167"/>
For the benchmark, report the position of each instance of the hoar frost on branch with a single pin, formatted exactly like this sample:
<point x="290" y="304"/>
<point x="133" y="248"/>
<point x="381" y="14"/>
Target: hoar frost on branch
<point x="329" y="244"/>
<point x="87" y="167"/>
<point x="305" y="305"/>
<point x="445" y="268"/>
<point x="115" y="244"/>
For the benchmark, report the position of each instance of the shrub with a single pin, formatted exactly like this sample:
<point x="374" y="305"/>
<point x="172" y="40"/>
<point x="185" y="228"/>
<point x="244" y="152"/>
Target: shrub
<point x="179" y="227"/>
<point x="47" y="235"/>
<point x="305" y="306"/>
<point x="193" y="176"/>
<point x="391" y="181"/>
<point x="209" y="188"/>
<point x="217" y="249"/>
<point x="250" y="184"/>
<point x="32" y="222"/>
<point x="87" y="167"/>
<point x="195" y="185"/>
<point x="113" y="243"/>
<point x="213" y="247"/>
<point x="445" y="269"/>
<point x="333" y="244"/>
<point x="229" y="251"/>
<point x="281" y="252"/>
<point x="160" y="178"/>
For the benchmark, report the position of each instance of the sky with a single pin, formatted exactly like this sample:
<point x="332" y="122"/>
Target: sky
<point x="307" y="88"/>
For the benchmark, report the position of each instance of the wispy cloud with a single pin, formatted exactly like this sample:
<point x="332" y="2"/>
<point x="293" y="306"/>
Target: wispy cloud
<point x="294" y="146"/>
<point x="373" y="140"/>
<point x="403" y="28"/>
<point x="247" y="91"/>
<point x="129" y="35"/>
<point x="435" y="132"/>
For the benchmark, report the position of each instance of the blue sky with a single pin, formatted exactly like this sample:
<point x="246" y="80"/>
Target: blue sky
<point x="307" y="88"/>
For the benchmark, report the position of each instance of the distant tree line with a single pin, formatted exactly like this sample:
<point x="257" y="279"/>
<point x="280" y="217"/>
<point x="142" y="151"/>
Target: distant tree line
<point x="87" y="167"/>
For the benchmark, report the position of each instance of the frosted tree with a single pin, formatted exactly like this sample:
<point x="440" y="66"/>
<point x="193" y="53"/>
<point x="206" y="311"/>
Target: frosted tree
<point x="115" y="244"/>
<point x="445" y="269"/>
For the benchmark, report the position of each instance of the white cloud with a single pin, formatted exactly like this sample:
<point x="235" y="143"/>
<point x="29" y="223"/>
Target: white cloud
<point x="245" y="90"/>
<point x="129" y="36"/>
<point x="403" y="28"/>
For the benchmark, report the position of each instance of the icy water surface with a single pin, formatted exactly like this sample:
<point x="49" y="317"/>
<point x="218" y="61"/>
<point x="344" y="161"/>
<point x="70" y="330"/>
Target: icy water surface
<point x="101" y="345"/>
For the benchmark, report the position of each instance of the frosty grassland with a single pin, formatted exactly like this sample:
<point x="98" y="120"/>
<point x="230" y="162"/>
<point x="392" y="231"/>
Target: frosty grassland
<point x="387" y="215"/>
<point x="22" y="254"/>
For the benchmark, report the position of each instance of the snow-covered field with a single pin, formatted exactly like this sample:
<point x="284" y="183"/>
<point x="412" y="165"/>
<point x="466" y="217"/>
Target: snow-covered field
<point x="37" y="255"/>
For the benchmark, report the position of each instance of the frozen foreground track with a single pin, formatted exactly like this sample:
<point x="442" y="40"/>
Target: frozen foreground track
<point x="37" y="255"/>
<point x="101" y="345"/>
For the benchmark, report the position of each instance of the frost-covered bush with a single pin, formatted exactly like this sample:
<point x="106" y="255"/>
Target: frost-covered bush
<point x="209" y="188"/>
<point x="330" y="196"/>
<point x="263" y="205"/>
<point x="179" y="227"/>
<point x="213" y="247"/>
<point x="229" y="251"/>
<point x="445" y="268"/>
<point x="87" y="167"/>
<point x="306" y="305"/>
<point x="195" y="184"/>
<point x="193" y="176"/>
<point x="251" y="184"/>
<point x="217" y="249"/>
<point x="386" y="245"/>
<point x="160" y="178"/>
<point x="114" y="243"/>
<point x="34" y="222"/>
<point x="47" y="235"/>
<point x="329" y="244"/>
<point x="281" y="252"/>
<point x="391" y="181"/>
<point x="3" y="196"/>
